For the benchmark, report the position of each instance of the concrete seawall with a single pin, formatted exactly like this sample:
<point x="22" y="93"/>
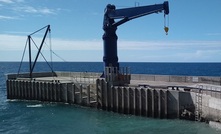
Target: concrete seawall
<point x="50" y="92"/>
<point x="155" y="96"/>
<point x="149" y="102"/>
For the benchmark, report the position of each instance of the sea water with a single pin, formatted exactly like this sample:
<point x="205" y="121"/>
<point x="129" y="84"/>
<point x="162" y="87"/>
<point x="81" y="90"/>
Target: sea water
<point x="44" y="118"/>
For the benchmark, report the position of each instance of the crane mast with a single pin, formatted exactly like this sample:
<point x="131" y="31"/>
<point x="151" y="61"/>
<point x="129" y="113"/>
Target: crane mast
<point x="110" y="57"/>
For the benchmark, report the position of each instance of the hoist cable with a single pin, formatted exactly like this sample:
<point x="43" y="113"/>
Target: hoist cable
<point x="19" y="69"/>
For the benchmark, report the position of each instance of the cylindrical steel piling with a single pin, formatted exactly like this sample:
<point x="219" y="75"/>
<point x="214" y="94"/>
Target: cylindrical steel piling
<point x="134" y="101"/>
<point x="64" y="92"/>
<point x="122" y="99"/>
<point x="73" y="95"/>
<point x="153" y="103"/>
<point x="159" y="103"/>
<point x="70" y="93"/>
<point x="140" y="101"/>
<point x="53" y="92"/>
<point x="88" y="95"/>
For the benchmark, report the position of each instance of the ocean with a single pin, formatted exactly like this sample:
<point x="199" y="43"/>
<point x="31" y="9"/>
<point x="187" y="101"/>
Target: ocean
<point x="32" y="117"/>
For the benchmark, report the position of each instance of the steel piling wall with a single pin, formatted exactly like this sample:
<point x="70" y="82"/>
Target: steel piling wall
<point x="148" y="102"/>
<point x="137" y="101"/>
<point x="48" y="91"/>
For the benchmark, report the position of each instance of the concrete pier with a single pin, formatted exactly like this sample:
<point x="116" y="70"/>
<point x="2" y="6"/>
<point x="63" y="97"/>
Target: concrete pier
<point x="154" y="96"/>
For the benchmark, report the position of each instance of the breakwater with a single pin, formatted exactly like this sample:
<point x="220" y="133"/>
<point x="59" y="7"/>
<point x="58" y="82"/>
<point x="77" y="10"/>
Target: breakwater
<point x="50" y="91"/>
<point x="143" y="97"/>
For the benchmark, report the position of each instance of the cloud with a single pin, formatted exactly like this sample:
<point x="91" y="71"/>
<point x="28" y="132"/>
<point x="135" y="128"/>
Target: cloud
<point x="162" y="45"/>
<point x="16" y="42"/>
<point x="65" y="44"/>
<point x="11" y="1"/>
<point x="7" y="1"/>
<point x="7" y="17"/>
<point x="182" y="51"/>
<point x="35" y="10"/>
<point x="15" y="7"/>
<point x="12" y="42"/>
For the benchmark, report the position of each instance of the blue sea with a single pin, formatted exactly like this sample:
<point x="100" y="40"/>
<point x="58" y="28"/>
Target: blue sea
<point x="29" y="117"/>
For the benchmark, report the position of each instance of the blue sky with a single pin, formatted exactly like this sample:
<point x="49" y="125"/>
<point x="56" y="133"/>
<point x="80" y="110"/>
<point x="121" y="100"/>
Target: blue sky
<point x="194" y="30"/>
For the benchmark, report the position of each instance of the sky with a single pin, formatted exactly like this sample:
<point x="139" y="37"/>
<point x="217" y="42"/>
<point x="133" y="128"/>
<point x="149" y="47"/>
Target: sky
<point x="76" y="31"/>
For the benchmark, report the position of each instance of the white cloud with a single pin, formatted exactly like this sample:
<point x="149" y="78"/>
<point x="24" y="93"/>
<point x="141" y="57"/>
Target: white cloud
<point x="11" y="1"/>
<point x="182" y="51"/>
<point x="12" y="42"/>
<point x="35" y="10"/>
<point x="7" y="1"/>
<point x="61" y="44"/>
<point x="7" y="17"/>
<point x="15" y="42"/>
<point x="20" y="6"/>
<point x="160" y="45"/>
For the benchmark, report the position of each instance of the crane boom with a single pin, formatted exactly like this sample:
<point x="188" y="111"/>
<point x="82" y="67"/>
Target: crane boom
<point x="132" y="13"/>
<point x="110" y="57"/>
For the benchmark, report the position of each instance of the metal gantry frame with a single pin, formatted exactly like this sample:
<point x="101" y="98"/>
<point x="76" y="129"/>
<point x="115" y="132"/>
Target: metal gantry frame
<point x="29" y="40"/>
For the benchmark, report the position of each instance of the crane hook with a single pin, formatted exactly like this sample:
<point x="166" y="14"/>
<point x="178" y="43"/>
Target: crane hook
<point x="166" y="28"/>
